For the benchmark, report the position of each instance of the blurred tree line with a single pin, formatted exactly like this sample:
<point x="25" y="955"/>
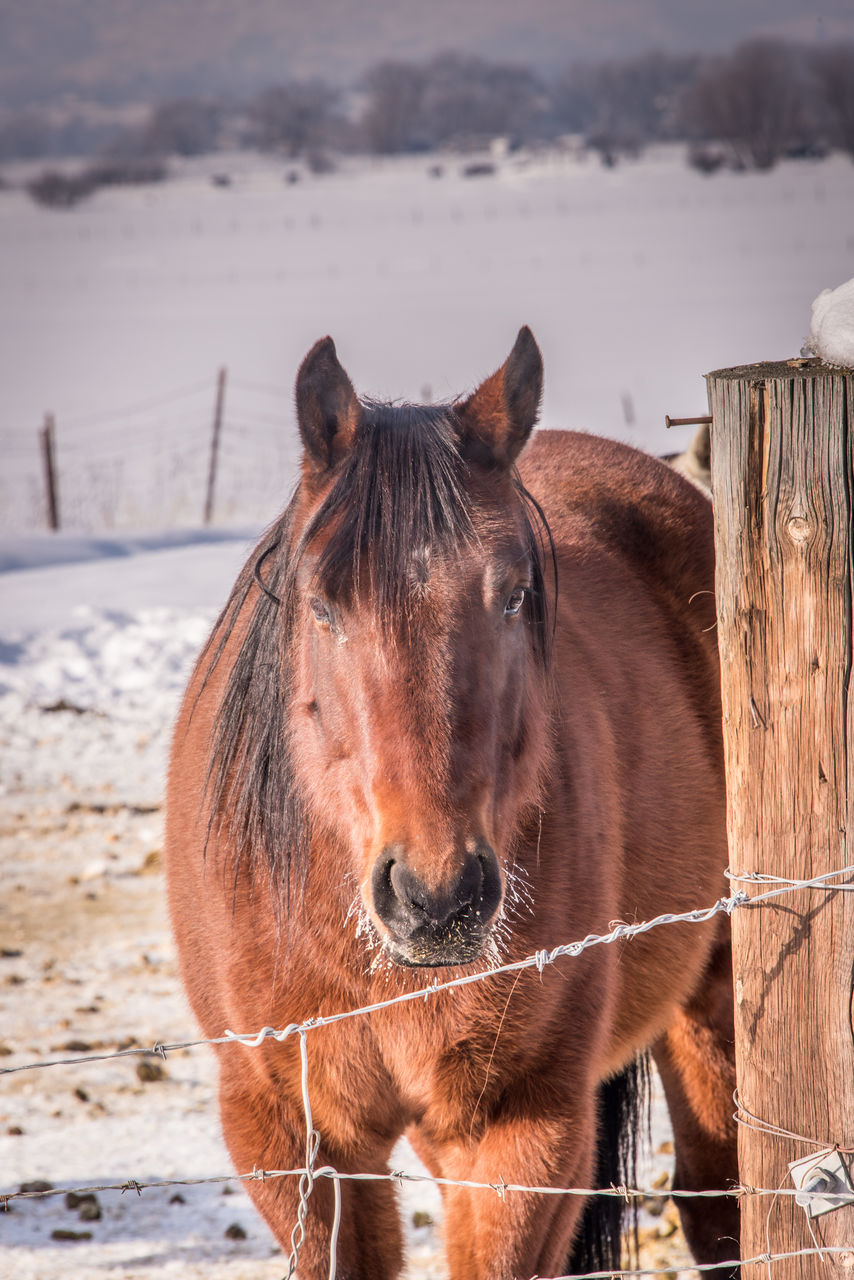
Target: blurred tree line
<point x="746" y="110"/>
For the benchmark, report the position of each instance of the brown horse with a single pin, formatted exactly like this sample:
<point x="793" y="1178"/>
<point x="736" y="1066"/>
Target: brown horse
<point x="406" y="754"/>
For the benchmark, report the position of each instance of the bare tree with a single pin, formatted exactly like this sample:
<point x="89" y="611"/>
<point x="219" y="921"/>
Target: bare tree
<point x="294" y="118"/>
<point x="25" y="135"/>
<point x="183" y="127"/>
<point x="833" y="69"/>
<point x="469" y="100"/>
<point x="753" y="101"/>
<point x="392" y="120"/>
<point x="574" y="94"/>
<point x="451" y="99"/>
<point x="620" y="106"/>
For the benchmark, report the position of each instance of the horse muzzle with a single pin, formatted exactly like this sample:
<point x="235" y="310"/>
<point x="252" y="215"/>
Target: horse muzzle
<point x="440" y="925"/>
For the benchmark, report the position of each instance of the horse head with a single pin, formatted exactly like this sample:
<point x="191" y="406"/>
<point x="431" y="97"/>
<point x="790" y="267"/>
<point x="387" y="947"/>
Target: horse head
<point x="417" y="726"/>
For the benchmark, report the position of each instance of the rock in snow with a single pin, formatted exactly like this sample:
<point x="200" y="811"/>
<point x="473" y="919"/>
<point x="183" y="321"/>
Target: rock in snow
<point x="832" y="329"/>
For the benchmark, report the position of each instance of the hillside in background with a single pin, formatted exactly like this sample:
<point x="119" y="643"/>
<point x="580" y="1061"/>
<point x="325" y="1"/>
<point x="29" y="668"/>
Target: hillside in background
<point x="122" y="50"/>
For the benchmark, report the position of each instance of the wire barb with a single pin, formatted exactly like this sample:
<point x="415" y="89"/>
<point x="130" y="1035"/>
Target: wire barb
<point x="538" y="960"/>
<point x="309" y="1174"/>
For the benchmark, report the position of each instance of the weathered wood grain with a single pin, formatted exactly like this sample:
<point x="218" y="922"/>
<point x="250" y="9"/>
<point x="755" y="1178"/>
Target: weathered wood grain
<point x="783" y="478"/>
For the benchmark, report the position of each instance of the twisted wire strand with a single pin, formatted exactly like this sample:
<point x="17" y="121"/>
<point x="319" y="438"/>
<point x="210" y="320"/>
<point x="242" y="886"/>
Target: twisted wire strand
<point x="824" y="881"/>
<point x="143" y="406"/>
<point x="745" y="1117"/>
<point x="760" y="1258"/>
<point x="309" y="1174"/>
<point x="539" y="960"/>
<point x="738" y="1191"/>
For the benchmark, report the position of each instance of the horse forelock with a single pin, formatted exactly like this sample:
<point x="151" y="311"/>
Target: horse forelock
<point x="401" y="497"/>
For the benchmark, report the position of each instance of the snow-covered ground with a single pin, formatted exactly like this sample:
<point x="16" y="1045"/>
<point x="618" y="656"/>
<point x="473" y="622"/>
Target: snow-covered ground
<point x="635" y="282"/>
<point x="87" y="695"/>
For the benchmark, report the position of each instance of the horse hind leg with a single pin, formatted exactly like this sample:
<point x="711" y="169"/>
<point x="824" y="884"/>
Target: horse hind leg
<point x="696" y="1062"/>
<point x="623" y="1125"/>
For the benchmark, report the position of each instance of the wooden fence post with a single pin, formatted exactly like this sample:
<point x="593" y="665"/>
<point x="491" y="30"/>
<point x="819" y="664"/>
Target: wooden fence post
<point x="783" y="481"/>
<point x="219" y="405"/>
<point x="47" y="442"/>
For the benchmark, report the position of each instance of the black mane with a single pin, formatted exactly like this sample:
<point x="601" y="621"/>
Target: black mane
<point x="400" y="492"/>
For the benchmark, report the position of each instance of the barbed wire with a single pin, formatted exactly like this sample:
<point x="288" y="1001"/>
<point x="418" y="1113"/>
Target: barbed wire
<point x="143" y="406"/>
<point x="739" y="1191"/>
<point x="539" y="960"/>
<point x="262" y="388"/>
<point x="759" y="1259"/>
<point x="822" y="881"/>
<point x="337" y="1178"/>
<point x="138" y="435"/>
<point x="20" y="449"/>
<point x="86" y="443"/>
<point x="308" y="1177"/>
<point x="281" y="427"/>
<point x="309" y="1174"/>
<point x="76" y="455"/>
<point x="745" y="1117"/>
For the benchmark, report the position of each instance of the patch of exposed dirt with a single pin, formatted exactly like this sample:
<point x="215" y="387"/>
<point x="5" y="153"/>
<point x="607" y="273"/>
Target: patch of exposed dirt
<point x="87" y="965"/>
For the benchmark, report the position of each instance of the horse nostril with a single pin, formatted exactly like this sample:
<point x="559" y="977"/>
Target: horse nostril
<point x="468" y="890"/>
<point x="407" y="905"/>
<point x="407" y="889"/>
<point x="490" y="882"/>
<point x="400" y="900"/>
<point x="381" y="887"/>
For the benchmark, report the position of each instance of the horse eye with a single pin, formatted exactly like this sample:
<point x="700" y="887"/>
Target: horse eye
<point x="321" y="611"/>
<point x="514" y="602"/>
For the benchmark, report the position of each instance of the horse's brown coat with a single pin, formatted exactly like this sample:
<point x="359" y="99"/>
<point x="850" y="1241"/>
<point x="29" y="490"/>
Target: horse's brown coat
<point x="598" y="784"/>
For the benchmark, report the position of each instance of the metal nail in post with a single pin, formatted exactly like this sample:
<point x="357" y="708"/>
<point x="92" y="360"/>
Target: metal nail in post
<point x="702" y="420"/>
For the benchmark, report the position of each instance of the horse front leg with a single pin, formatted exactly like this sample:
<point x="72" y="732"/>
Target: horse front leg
<point x="263" y="1129"/>
<point x="499" y="1234"/>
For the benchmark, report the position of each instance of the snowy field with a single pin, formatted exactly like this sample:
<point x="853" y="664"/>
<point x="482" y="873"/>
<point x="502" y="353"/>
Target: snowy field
<point x="635" y="282"/>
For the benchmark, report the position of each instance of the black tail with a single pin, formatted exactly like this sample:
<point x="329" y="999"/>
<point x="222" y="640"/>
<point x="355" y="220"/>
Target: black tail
<point x="624" y="1127"/>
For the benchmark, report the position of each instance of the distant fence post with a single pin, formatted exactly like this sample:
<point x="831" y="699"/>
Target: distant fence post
<point x="219" y="405"/>
<point x="47" y="442"/>
<point x="783" y="481"/>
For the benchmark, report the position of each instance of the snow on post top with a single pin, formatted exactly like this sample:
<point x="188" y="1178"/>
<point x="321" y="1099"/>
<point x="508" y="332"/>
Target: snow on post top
<point x="832" y="329"/>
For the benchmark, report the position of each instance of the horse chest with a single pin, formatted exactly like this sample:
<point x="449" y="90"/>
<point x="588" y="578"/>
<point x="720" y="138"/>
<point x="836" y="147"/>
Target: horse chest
<point x="442" y="1061"/>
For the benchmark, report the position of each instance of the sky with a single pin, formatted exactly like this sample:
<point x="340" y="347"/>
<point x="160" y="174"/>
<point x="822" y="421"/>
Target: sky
<point x="145" y="48"/>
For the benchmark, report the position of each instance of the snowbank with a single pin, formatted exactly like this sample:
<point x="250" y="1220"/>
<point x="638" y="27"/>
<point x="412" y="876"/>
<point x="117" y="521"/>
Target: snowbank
<point x="102" y="635"/>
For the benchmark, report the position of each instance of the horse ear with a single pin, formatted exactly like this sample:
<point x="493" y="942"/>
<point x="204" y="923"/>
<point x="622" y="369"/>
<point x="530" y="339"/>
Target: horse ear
<point x="328" y="411"/>
<point x="498" y="417"/>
